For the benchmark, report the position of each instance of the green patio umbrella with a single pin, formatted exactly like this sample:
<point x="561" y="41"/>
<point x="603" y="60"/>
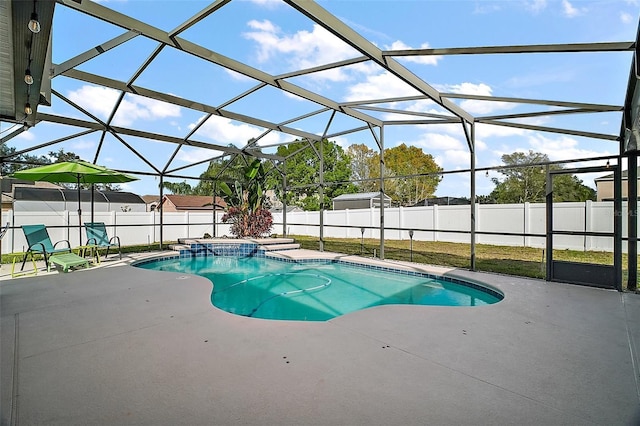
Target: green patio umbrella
<point x="78" y="172"/>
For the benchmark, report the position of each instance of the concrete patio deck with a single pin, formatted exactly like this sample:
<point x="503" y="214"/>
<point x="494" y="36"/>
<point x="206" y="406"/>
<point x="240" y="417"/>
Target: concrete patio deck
<point x="117" y="345"/>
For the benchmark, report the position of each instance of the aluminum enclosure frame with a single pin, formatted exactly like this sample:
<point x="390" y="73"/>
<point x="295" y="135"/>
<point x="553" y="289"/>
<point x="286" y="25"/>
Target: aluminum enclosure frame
<point x="361" y="111"/>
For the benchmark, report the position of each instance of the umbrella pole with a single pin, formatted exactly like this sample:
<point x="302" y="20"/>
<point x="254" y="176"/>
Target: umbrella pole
<point x="79" y="214"/>
<point x="92" y="200"/>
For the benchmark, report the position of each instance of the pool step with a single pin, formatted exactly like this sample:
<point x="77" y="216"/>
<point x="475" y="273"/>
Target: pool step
<point x="266" y="244"/>
<point x="278" y="247"/>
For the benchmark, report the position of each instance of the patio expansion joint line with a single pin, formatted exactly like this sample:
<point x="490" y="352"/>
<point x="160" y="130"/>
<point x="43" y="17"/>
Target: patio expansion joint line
<point x="632" y="348"/>
<point x="109" y="336"/>
<point x="544" y="404"/>
<point x="13" y="417"/>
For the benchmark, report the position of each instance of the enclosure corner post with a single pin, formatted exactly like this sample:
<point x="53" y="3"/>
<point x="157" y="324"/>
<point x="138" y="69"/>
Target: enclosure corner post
<point x="160" y="207"/>
<point x="284" y="202"/>
<point x="549" y="220"/>
<point x="472" y="152"/>
<point x="382" y="193"/>
<point x="632" y="212"/>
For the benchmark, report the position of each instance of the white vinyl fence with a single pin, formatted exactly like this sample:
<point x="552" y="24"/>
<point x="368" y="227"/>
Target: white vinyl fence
<point x="430" y="223"/>
<point x="436" y="223"/>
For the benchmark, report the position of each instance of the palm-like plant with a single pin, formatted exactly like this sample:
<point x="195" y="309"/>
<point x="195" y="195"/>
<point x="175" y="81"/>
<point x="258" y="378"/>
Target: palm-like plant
<point x="246" y="213"/>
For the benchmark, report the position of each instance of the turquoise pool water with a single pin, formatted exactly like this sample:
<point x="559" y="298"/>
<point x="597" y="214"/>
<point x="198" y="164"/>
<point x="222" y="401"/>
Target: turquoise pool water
<point x="265" y="288"/>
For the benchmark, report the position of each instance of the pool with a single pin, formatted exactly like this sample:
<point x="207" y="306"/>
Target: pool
<point x="267" y="288"/>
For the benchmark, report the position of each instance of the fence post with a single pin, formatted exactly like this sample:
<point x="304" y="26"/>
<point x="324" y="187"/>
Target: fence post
<point x="525" y="225"/>
<point x="114" y="222"/>
<point x="153" y="226"/>
<point x="66" y="218"/>
<point x="346" y="222"/>
<point x="435" y="222"/>
<point x="187" y="223"/>
<point x="478" y="238"/>
<point x="371" y="216"/>
<point x="588" y="224"/>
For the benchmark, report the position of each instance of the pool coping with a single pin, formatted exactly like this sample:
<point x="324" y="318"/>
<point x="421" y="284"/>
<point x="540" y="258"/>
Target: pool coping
<point x="252" y="248"/>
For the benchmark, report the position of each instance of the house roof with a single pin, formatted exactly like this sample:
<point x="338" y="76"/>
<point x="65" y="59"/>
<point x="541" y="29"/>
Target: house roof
<point x="30" y="193"/>
<point x="359" y="196"/>
<point x="8" y="183"/>
<point x="194" y="202"/>
<point x="443" y="201"/>
<point x="625" y="173"/>
<point x="150" y="198"/>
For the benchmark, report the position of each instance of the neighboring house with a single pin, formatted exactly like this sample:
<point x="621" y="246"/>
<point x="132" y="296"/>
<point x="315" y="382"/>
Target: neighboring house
<point x="151" y="201"/>
<point x="180" y="203"/>
<point x="34" y="199"/>
<point x="290" y="209"/>
<point x="363" y="200"/>
<point x="443" y="201"/>
<point x="8" y="184"/>
<point x="604" y="186"/>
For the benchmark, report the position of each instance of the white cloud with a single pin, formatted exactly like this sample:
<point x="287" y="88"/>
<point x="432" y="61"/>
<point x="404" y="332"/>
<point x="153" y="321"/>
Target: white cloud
<point x="563" y="147"/>
<point x="476" y="106"/>
<point x="425" y="60"/>
<point x="237" y="76"/>
<point x="438" y="141"/>
<point x="304" y="49"/>
<point x="82" y="145"/>
<point x="27" y="136"/>
<point x="481" y="8"/>
<point x="101" y="100"/>
<point x="535" y="6"/>
<point x="569" y="10"/>
<point x="364" y="29"/>
<point x="342" y="141"/>
<point x="485" y="131"/>
<point x="626" y="18"/>
<point x="457" y="157"/>
<point x="380" y="86"/>
<point x="269" y="4"/>
<point x="194" y="155"/>
<point x="226" y="131"/>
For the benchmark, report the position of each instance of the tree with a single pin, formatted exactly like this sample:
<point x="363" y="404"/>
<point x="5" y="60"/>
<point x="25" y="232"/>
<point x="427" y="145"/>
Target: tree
<point x="363" y="161"/>
<point x="12" y="163"/>
<point x="303" y="170"/>
<point x="60" y="156"/>
<point x="180" y="188"/>
<point x="524" y="183"/>
<point x="7" y="156"/>
<point x="227" y="169"/>
<point x="401" y="161"/>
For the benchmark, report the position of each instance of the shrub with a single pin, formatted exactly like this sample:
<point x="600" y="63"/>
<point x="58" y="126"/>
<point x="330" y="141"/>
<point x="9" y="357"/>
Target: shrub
<point x="245" y="223"/>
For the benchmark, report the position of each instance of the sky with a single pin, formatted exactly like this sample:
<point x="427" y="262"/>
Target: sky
<point x="272" y="37"/>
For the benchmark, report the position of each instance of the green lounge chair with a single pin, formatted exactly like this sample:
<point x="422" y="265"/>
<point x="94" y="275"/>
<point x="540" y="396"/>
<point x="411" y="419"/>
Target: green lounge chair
<point x="97" y="236"/>
<point x="39" y="242"/>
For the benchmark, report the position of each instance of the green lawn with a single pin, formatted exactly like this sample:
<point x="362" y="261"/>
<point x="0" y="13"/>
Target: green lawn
<point x="520" y="261"/>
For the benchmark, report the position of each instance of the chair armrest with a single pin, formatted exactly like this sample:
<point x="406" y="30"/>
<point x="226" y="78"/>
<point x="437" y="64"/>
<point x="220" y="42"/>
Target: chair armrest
<point x="92" y="241"/>
<point x="116" y="239"/>
<point x="63" y="241"/>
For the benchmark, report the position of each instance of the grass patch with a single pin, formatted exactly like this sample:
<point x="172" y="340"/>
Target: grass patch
<point x="520" y="261"/>
<point x="146" y="248"/>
